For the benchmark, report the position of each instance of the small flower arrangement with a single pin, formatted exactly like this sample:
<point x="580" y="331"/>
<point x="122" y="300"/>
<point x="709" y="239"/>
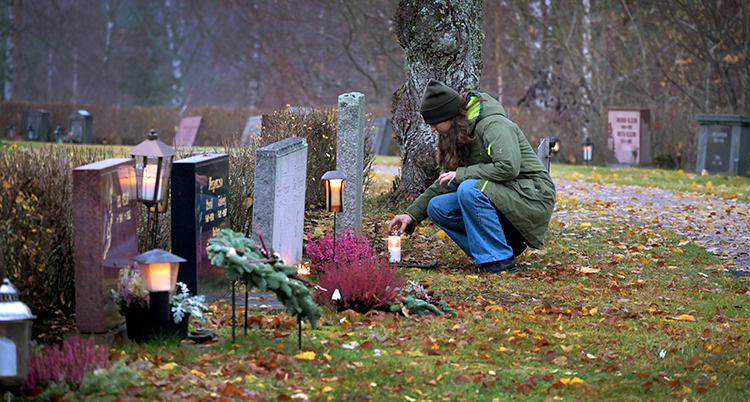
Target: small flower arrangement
<point x="131" y="294"/>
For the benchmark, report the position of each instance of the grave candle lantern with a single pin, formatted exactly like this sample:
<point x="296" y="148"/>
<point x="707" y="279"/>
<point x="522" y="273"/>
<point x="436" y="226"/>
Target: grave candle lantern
<point x="334" y="182"/>
<point x="394" y="247"/>
<point x="153" y="162"/>
<point x="554" y="146"/>
<point x="159" y="273"/>
<point x="587" y="147"/>
<point x="15" y="337"/>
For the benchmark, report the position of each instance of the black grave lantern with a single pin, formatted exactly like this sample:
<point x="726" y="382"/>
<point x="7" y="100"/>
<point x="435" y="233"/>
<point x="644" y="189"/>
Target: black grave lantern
<point x="587" y="150"/>
<point x="554" y="146"/>
<point x="334" y="182"/>
<point x="153" y="163"/>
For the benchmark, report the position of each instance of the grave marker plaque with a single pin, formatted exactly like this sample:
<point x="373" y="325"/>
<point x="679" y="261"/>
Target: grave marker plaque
<point x="104" y="216"/>
<point x="187" y="131"/>
<point x="81" y="125"/>
<point x="200" y="208"/>
<point x="628" y="136"/>
<point x="279" y="197"/>
<point x="723" y="144"/>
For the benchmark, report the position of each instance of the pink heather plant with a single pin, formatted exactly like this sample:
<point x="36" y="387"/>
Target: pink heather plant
<point x="365" y="284"/>
<point x="66" y="364"/>
<point x="350" y="247"/>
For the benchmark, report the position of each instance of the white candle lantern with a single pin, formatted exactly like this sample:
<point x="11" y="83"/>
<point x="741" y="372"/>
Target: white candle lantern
<point x="394" y="247"/>
<point x="15" y="337"/>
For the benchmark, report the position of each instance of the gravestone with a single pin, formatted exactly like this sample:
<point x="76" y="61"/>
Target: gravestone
<point x="252" y="130"/>
<point x="35" y="126"/>
<point x="81" y="125"/>
<point x="105" y="221"/>
<point x="187" y="131"/>
<point x="279" y="200"/>
<point x="200" y="208"/>
<point x="382" y="135"/>
<point x="628" y="137"/>
<point x="350" y="159"/>
<point x="542" y="152"/>
<point x="723" y="144"/>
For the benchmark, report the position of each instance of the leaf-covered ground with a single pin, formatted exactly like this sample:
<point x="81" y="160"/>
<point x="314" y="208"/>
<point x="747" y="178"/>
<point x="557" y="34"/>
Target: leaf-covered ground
<point x="630" y="300"/>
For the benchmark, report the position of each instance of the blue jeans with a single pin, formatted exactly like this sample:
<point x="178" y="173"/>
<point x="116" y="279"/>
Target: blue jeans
<point x="470" y="219"/>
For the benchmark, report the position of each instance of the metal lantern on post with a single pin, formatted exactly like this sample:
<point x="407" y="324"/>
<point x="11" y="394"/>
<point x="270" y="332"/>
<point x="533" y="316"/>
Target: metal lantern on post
<point x="554" y="146"/>
<point x="587" y="148"/>
<point x="153" y="163"/>
<point x="15" y="338"/>
<point x="158" y="270"/>
<point x="334" y="182"/>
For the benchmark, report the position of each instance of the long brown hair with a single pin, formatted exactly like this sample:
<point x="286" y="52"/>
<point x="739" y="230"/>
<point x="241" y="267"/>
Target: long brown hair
<point x="455" y="144"/>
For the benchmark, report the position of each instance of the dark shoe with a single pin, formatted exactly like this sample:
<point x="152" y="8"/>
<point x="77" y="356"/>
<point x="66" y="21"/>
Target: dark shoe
<point x="507" y="266"/>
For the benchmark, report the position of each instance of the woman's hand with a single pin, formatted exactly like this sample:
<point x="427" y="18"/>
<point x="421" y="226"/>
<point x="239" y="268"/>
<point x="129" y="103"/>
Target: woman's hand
<point x="446" y="178"/>
<point x="402" y="223"/>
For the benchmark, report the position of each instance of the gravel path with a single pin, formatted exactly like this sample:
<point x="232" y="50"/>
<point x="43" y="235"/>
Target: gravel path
<point x="720" y="226"/>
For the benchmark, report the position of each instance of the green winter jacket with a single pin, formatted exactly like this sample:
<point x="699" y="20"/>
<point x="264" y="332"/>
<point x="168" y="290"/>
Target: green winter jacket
<point x="507" y="170"/>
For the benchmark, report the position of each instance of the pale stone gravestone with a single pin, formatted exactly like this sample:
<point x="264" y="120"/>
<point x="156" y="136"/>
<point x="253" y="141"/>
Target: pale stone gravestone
<point x="279" y="197"/>
<point x="350" y="156"/>
<point x="723" y="144"/>
<point x="628" y="136"/>
<point x="81" y="125"/>
<point x="382" y="135"/>
<point x="187" y="131"/>
<point x="200" y="209"/>
<point x="35" y="126"/>
<point x="105" y="221"/>
<point x="542" y="152"/>
<point x="252" y="130"/>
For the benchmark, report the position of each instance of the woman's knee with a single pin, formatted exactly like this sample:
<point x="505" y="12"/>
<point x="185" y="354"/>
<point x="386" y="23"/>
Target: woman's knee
<point x="466" y="190"/>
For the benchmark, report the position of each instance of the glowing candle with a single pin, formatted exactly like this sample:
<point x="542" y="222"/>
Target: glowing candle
<point x="335" y="194"/>
<point x="303" y="269"/>
<point x="149" y="183"/>
<point x="394" y="247"/>
<point x="587" y="151"/>
<point x="8" y="363"/>
<point x="160" y="276"/>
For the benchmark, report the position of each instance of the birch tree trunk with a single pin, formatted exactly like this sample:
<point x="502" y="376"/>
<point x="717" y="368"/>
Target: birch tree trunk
<point x="442" y="41"/>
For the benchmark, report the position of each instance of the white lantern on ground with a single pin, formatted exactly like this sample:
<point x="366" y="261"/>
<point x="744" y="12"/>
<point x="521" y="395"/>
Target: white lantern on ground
<point x="15" y="337"/>
<point x="394" y="247"/>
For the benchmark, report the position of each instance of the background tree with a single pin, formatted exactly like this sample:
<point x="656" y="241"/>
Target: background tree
<point x="442" y="41"/>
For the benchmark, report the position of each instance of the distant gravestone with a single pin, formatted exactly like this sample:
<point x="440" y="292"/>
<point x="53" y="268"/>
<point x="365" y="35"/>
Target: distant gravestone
<point x="542" y="152"/>
<point x="187" y="131"/>
<point x="279" y="201"/>
<point x="723" y="144"/>
<point x="200" y="208"/>
<point x="104" y="219"/>
<point x="381" y="135"/>
<point x="628" y="136"/>
<point x="35" y="126"/>
<point x="81" y="125"/>
<point x="252" y="130"/>
<point x="350" y="159"/>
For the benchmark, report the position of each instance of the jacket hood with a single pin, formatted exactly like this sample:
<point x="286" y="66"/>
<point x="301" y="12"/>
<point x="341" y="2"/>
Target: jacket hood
<point x="478" y="110"/>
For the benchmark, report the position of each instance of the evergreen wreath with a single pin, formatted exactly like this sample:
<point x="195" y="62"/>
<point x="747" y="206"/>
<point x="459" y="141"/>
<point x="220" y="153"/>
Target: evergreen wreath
<point x="241" y="258"/>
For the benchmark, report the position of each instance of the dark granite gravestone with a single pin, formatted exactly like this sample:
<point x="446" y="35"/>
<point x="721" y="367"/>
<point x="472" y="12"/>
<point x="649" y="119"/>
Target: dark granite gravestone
<point x="105" y="221"/>
<point x="35" y="125"/>
<point x="81" y="125"/>
<point x="200" y="208"/>
<point x="187" y="131"/>
<point x="723" y="144"/>
<point x="629" y="137"/>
